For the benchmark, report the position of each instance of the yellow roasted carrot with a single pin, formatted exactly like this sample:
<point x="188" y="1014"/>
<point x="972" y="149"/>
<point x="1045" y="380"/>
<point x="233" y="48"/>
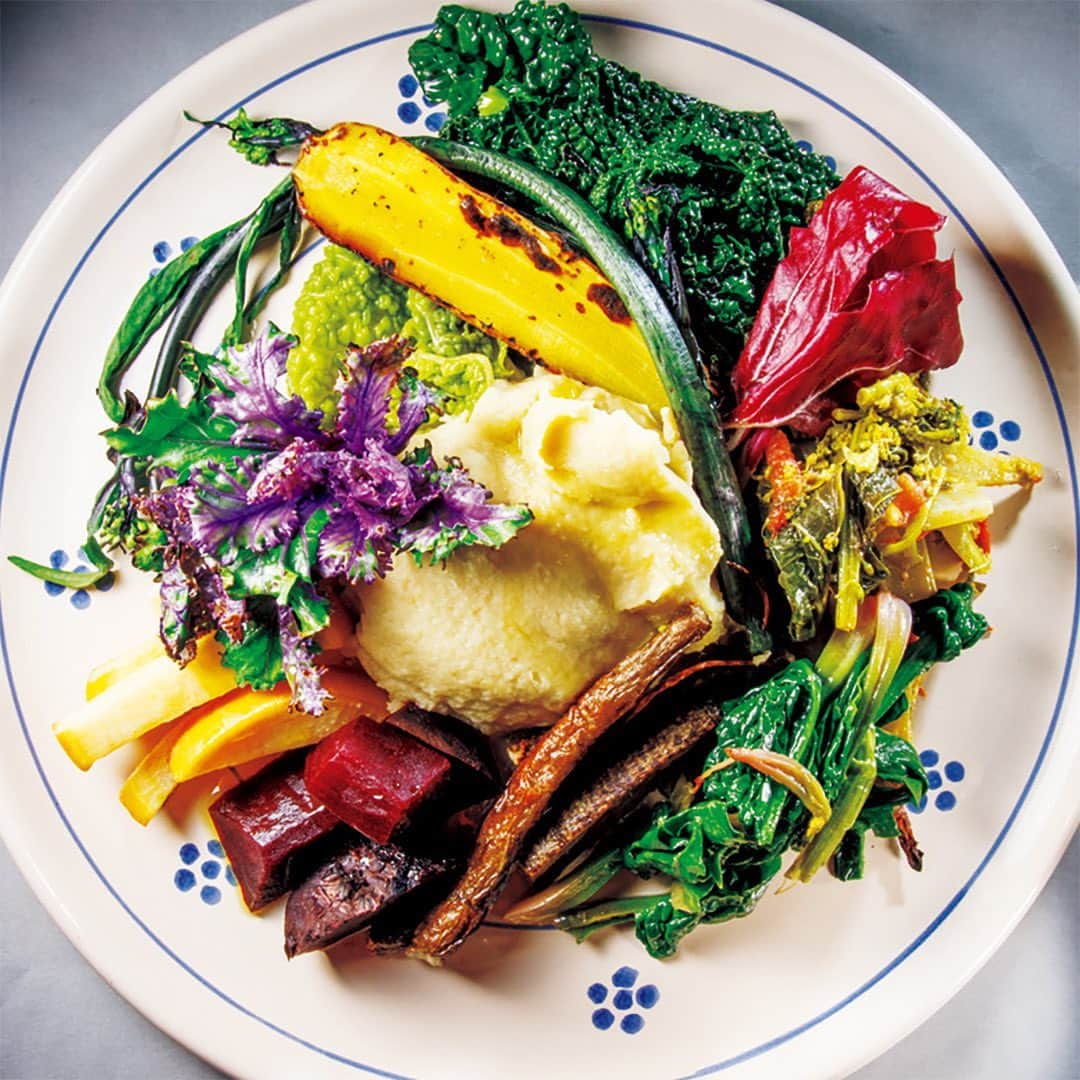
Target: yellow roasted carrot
<point x="256" y="723"/>
<point x="152" y="782"/>
<point x="146" y="698"/>
<point x="383" y="198"/>
<point x="117" y="667"/>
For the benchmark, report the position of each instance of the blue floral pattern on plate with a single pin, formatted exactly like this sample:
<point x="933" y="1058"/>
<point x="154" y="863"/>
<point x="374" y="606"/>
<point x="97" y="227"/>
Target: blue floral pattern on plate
<point x="941" y="778"/>
<point x="163" y="251"/>
<point x="416" y="107"/>
<point x="59" y="559"/>
<point x="621" y="1000"/>
<point x="211" y="869"/>
<point x="989" y="434"/>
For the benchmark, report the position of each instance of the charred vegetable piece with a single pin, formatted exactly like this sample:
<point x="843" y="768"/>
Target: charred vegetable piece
<point x="451" y="738"/>
<point x="273" y="830"/>
<point x="381" y="197"/>
<point x="618" y="788"/>
<point x="458" y="833"/>
<point x="906" y="835"/>
<point x="375" y="777"/>
<point x="511" y="749"/>
<point x="345" y="894"/>
<point x="392" y="931"/>
<point x="536" y="780"/>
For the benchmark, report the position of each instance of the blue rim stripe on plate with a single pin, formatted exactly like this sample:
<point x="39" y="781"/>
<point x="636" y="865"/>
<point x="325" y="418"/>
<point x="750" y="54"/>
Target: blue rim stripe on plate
<point x="999" y="273"/>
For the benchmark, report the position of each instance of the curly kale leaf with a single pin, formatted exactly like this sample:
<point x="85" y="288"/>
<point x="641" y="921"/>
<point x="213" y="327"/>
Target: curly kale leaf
<point x="704" y="195"/>
<point x="529" y="54"/>
<point x="256" y="657"/>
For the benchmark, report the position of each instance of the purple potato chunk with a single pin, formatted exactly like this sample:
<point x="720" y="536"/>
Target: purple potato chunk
<point x="349" y="891"/>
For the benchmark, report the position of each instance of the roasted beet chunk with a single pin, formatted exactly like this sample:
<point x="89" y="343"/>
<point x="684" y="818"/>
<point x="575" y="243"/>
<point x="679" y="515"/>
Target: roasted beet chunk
<point x="349" y="891"/>
<point x="374" y="777"/>
<point x="273" y="830"/>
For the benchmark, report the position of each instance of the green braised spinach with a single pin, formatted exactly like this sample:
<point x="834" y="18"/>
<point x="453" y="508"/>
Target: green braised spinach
<point x="721" y="851"/>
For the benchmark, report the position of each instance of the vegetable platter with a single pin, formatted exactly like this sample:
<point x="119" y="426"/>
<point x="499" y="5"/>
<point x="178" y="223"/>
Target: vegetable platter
<point x="873" y="949"/>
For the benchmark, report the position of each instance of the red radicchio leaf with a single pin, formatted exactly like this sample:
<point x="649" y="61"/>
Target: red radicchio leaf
<point x="858" y="296"/>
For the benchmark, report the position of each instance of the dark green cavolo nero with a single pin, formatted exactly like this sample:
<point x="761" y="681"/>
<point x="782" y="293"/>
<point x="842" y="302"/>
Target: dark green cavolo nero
<point x="704" y="195"/>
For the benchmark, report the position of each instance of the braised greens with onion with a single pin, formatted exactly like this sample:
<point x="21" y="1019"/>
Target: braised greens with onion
<point x="576" y="555"/>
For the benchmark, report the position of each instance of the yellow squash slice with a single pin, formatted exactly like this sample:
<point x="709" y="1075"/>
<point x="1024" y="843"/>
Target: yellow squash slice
<point x="118" y="667"/>
<point x="152" y="782"/>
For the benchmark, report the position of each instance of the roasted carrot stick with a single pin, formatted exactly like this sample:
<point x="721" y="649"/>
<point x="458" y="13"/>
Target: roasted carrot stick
<point x="540" y="774"/>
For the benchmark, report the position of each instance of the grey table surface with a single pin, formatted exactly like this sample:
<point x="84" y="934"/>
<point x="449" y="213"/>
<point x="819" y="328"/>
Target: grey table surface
<point x="1005" y="70"/>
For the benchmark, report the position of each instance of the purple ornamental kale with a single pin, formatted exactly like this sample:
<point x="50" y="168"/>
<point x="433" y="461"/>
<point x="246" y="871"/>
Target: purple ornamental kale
<point x="193" y="601"/>
<point x="417" y="401"/>
<point x="357" y="546"/>
<point x="374" y="480"/>
<point x="457" y="511"/>
<point x="248" y="394"/>
<point x="178" y="607"/>
<point x="298" y="663"/>
<point x="364" y="390"/>
<point x="205" y="579"/>
<point x="317" y="505"/>
<point x="228" y="516"/>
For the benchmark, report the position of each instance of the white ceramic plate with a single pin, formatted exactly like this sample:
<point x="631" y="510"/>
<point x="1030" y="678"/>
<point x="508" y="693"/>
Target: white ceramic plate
<point x="817" y="981"/>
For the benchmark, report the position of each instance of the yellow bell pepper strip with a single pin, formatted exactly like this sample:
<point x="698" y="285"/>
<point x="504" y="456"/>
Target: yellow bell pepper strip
<point x="148" y="697"/>
<point x="257" y="723"/>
